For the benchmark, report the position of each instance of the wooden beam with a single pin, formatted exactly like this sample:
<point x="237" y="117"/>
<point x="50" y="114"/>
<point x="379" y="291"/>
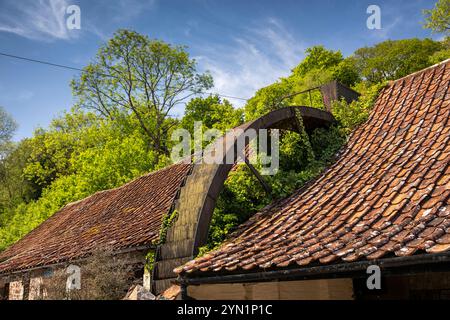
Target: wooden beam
<point x="258" y="176"/>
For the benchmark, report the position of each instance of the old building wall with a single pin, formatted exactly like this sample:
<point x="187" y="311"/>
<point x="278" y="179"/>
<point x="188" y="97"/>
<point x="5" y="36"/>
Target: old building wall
<point x="333" y="289"/>
<point x="16" y="290"/>
<point x="35" y="291"/>
<point x="31" y="285"/>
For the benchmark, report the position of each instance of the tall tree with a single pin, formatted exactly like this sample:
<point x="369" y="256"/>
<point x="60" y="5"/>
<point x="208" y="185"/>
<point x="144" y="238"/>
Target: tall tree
<point x="8" y="186"/>
<point x="391" y="60"/>
<point x="213" y="113"/>
<point x="438" y="18"/>
<point x="147" y="78"/>
<point x="7" y="126"/>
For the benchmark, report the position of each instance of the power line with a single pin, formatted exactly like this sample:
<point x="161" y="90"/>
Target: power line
<point x="81" y="70"/>
<point x="226" y="96"/>
<point x="40" y="61"/>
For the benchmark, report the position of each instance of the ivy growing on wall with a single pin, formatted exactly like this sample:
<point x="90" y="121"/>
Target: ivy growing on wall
<point x="167" y="222"/>
<point x="149" y="261"/>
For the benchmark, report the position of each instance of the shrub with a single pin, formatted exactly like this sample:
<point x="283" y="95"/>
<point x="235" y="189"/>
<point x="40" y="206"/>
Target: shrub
<point x="104" y="276"/>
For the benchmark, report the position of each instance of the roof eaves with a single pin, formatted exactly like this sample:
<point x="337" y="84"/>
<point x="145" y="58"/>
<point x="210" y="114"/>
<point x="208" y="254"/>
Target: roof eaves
<point x="391" y="265"/>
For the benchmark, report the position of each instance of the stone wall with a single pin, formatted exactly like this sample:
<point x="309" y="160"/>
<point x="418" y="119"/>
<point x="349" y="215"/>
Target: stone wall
<point x="30" y="285"/>
<point x="15" y="290"/>
<point x="35" y="291"/>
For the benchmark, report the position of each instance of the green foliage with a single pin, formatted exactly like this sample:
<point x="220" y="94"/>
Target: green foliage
<point x="351" y="115"/>
<point x="319" y="67"/>
<point x="52" y="149"/>
<point x="7" y="127"/>
<point x="440" y="56"/>
<point x="346" y="73"/>
<point x="327" y="65"/>
<point x="168" y="221"/>
<point x="78" y="155"/>
<point x="443" y="54"/>
<point x="326" y="142"/>
<point x="213" y="113"/>
<point x="147" y="78"/>
<point x="133" y="85"/>
<point x="150" y="261"/>
<point x="318" y="57"/>
<point x="391" y="60"/>
<point x="14" y="188"/>
<point x="302" y="157"/>
<point x="241" y="197"/>
<point x="268" y="99"/>
<point x="438" y="18"/>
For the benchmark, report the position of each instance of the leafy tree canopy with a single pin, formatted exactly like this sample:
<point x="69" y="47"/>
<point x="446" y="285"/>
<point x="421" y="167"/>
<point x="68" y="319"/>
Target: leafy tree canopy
<point x="147" y="78"/>
<point x="391" y="60"/>
<point x="7" y="127"/>
<point x="438" y="18"/>
<point x="212" y="112"/>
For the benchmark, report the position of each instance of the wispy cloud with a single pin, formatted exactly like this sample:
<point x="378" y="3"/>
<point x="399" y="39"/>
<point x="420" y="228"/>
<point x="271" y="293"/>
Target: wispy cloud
<point x="387" y="29"/>
<point x="37" y="20"/>
<point x="253" y="60"/>
<point x="124" y="10"/>
<point x="19" y="96"/>
<point x="45" y="20"/>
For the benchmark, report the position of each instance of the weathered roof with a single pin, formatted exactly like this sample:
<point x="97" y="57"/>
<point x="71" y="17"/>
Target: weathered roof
<point x="387" y="194"/>
<point x="128" y="216"/>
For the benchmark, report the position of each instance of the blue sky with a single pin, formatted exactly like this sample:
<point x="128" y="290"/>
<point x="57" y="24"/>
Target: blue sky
<point x="244" y="44"/>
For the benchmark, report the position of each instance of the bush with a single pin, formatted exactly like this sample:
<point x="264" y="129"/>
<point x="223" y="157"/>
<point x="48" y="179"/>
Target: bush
<point x="104" y="276"/>
<point x="351" y="115"/>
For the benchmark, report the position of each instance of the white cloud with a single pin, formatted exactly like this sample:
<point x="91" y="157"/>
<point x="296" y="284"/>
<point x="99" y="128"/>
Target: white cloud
<point x="25" y="95"/>
<point x="124" y="10"/>
<point x="254" y="60"/>
<point x="37" y="20"/>
<point x="9" y="96"/>
<point x="45" y="20"/>
<point x="387" y="29"/>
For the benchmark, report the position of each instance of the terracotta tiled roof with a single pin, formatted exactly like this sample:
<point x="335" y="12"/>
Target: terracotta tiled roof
<point x="387" y="194"/>
<point x="128" y="216"/>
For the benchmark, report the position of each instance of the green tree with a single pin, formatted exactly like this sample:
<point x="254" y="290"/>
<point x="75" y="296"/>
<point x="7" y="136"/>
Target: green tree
<point x="351" y="115"/>
<point x="14" y="187"/>
<point x="212" y="112"/>
<point x="318" y="57"/>
<point x="443" y="54"/>
<point x="268" y="99"/>
<point x="53" y="148"/>
<point x="438" y="18"/>
<point x="346" y="72"/>
<point x="319" y="67"/>
<point x="7" y="126"/>
<point x="87" y="153"/>
<point x="391" y="60"/>
<point x="147" y="78"/>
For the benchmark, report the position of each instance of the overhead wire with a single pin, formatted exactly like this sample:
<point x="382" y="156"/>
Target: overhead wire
<point x="57" y="65"/>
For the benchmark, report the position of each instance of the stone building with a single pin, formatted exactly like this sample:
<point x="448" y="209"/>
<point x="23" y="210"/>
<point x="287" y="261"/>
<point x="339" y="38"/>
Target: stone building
<point x="126" y="220"/>
<point x="164" y="215"/>
<point x="383" y="204"/>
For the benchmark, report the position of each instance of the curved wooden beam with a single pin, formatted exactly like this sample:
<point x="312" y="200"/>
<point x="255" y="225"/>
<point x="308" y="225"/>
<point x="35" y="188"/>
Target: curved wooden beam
<point x="197" y="197"/>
